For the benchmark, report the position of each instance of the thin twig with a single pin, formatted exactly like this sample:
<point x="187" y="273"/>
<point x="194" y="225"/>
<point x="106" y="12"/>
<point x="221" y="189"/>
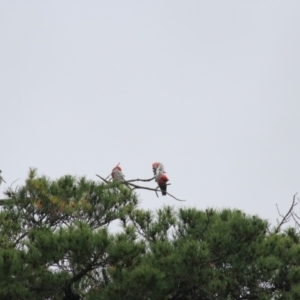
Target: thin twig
<point x="175" y="197"/>
<point x="102" y="178"/>
<point x="144" y="180"/>
<point x="155" y="190"/>
<point x="287" y="216"/>
<point x="296" y="221"/>
<point x="14" y="182"/>
<point x="143" y="187"/>
<point x="294" y="214"/>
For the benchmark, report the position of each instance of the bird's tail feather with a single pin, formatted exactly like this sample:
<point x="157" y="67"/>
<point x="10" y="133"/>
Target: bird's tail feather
<point x="163" y="189"/>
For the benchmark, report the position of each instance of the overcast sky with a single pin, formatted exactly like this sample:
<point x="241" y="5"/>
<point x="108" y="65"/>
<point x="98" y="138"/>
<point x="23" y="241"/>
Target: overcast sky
<point x="209" y="88"/>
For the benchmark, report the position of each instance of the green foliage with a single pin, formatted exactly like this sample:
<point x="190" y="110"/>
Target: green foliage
<point x="55" y="244"/>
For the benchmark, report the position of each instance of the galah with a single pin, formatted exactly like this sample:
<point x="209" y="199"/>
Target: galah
<point x="159" y="167"/>
<point x="160" y="177"/>
<point x="117" y="174"/>
<point x="1" y="178"/>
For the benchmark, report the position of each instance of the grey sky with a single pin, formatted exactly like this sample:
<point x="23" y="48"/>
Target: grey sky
<point x="209" y="88"/>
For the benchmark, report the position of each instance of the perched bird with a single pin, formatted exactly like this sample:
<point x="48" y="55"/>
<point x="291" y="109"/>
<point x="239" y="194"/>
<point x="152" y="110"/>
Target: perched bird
<point x="160" y="177"/>
<point x="1" y="178"/>
<point x="162" y="182"/>
<point x="117" y="174"/>
<point x="158" y="167"/>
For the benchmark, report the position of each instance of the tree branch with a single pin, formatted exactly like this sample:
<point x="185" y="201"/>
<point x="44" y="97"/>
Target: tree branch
<point x="286" y="218"/>
<point x="155" y="190"/>
<point x="105" y="180"/>
<point x="135" y="186"/>
<point x="128" y="182"/>
<point x="144" y="180"/>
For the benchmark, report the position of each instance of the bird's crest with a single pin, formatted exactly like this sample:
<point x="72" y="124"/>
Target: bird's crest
<point x="118" y="168"/>
<point x="155" y="165"/>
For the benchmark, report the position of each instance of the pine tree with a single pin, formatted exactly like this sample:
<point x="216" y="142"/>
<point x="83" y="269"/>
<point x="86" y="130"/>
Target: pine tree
<point x="53" y="236"/>
<point x="55" y="244"/>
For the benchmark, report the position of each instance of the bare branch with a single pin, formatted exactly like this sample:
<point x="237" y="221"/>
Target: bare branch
<point x="286" y="218"/>
<point x="295" y="215"/>
<point x="135" y="186"/>
<point x="144" y="180"/>
<point x="295" y="220"/>
<point x="142" y="187"/>
<point x="155" y="190"/>
<point x="14" y="182"/>
<point x="102" y="178"/>
<point x="175" y="197"/>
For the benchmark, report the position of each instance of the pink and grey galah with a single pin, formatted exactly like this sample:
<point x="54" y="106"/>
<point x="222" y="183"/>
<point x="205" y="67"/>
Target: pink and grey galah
<point x="117" y="174"/>
<point x="160" y="177"/>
